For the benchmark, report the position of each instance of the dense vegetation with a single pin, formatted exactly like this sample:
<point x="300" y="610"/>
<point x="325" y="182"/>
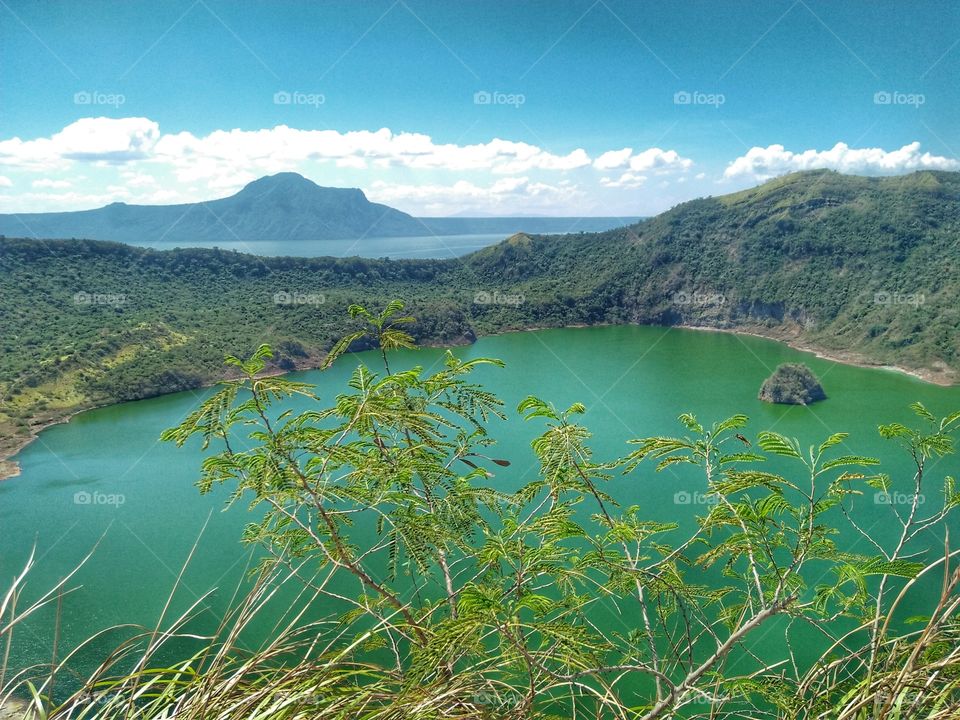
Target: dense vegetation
<point x="792" y="384"/>
<point x="864" y="268"/>
<point x="445" y="597"/>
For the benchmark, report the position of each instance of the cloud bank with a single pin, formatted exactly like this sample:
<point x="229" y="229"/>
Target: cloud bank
<point x="97" y="160"/>
<point x="123" y="140"/>
<point x="764" y="163"/>
<point x="497" y="176"/>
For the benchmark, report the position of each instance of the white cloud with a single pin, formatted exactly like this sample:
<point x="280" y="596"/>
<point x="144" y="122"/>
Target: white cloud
<point x="134" y="179"/>
<point x="659" y="161"/>
<point x="5" y="181"/>
<point x="132" y="153"/>
<point x="52" y="184"/>
<point x="505" y="196"/>
<point x="626" y="180"/>
<point x="107" y="140"/>
<point x="653" y="159"/>
<point x="357" y="163"/>
<point x="613" y="159"/>
<point x="764" y="163"/>
<point x="222" y="153"/>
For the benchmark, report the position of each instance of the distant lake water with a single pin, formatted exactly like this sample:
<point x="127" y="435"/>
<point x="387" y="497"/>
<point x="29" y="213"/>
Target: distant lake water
<point x="633" y="380"/>
<point x="443" y="238"/>
<point x="424" y="246"/>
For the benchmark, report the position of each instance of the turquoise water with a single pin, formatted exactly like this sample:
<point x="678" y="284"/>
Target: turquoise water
<point x="633" y="380"/>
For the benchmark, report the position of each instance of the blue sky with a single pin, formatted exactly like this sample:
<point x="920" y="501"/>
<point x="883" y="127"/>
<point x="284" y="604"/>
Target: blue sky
<point x="600" y="107"/>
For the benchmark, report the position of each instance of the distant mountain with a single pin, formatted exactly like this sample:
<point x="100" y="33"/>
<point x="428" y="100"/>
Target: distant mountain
<point x="286" y="206"/>
<point x="282" y="207"/>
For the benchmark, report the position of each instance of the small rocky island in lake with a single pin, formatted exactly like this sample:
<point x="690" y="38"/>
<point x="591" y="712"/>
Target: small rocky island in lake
<point x="792" y="384"/>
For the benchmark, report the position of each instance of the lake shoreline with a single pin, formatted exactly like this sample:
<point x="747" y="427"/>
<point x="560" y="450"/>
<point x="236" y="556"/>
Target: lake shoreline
<point x="942" y="379"/>
<point x="11" y="469"/>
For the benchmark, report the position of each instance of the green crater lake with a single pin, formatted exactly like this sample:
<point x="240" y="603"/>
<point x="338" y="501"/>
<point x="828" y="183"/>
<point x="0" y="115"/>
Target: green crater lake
<point x="104" y="477"/>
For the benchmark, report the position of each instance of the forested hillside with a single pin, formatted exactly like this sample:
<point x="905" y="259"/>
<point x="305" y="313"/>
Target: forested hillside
<point x="855" y="266"/>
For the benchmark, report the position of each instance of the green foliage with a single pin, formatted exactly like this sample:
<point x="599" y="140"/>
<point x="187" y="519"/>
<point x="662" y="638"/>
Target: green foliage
<point x="792" y="384"/>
